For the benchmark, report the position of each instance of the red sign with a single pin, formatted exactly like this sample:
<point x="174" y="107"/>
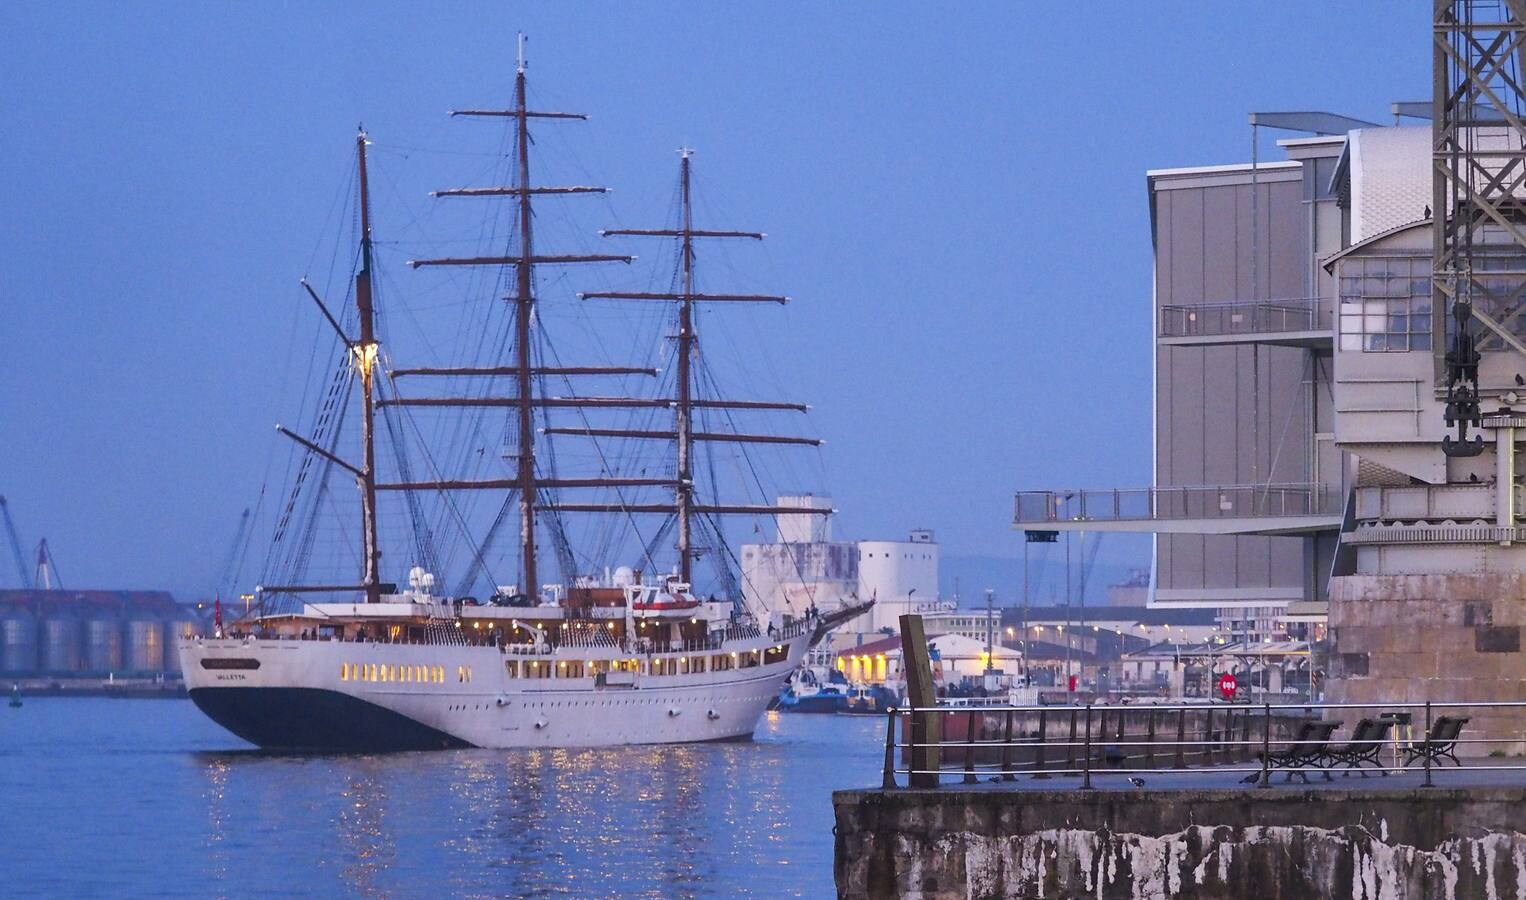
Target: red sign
<point x="1228" y="685"/>
<point x="1072" y="683"/>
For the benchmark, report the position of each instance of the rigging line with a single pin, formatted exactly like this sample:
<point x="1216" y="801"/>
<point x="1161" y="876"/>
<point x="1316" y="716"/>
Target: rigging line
<point x="762" y="491"/>
<point x="445" y="496"/>
<point x="582" y="415"/>
<point x="423" y="537"/>
<point x="1271" y="467"/>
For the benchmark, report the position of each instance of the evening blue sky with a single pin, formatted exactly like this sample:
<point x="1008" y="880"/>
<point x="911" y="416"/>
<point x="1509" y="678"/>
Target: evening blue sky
<point x="954" y="195"/>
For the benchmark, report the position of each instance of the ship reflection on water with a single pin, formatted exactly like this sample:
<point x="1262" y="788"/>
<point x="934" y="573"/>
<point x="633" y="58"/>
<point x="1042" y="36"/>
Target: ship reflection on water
<point x="662" y="820"/>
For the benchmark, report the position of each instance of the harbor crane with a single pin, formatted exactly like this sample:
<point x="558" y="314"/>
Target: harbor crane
<point x="15" y="541"/>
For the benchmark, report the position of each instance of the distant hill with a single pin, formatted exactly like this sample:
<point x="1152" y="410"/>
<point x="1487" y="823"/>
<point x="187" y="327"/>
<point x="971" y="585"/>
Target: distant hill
<point x="973" y="574"/>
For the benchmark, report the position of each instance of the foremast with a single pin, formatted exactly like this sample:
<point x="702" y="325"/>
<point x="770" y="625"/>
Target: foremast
<point x="525" y="482"/>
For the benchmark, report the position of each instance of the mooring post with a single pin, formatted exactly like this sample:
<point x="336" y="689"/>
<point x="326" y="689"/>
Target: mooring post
<point x="969" y="746"/>
<point x="1181" y="738"/>
<point x="1427" y="743"/>
<point x="1038" y="761"/>
<point x="1006" y="751"/>
<point x="888" y="782"/>
<point x="926" y="723"/>
<point x="1150" y="739"/>
<point x="1266" y="746"/>
<point x="1086" y="769"/>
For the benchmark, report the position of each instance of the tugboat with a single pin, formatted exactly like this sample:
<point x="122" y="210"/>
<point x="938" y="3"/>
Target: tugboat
<point x="622" y="657"/>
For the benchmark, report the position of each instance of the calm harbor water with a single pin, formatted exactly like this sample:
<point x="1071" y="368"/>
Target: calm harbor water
<point x="106" y="797"/>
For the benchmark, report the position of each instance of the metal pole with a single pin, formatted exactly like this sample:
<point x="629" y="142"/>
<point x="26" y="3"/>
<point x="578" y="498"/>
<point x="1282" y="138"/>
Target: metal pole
<point x="888" y="782"/>
<point x="1006" y="751"/>
<point x="1427" y="741"/>
<point x="1039" y="761"/>
<point x="1266" y="746"/>
<point x="1150" y="739"/>
<point x="1070" y="745"/>
<point x="1086" y="768"/>
<point x="969" y="746"/>
<point x="1181" y="738"/>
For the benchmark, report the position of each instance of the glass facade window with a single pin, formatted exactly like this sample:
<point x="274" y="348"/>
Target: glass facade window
<point x="1385" y="304"/>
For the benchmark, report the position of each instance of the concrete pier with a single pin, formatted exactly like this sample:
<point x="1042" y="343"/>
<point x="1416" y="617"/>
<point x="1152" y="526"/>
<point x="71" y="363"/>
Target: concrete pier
<point x="1197" y="836"/>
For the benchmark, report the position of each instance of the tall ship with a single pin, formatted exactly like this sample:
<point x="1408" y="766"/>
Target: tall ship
<point x="597" y="654"/>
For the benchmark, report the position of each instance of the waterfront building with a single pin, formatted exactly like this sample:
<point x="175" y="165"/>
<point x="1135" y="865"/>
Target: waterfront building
<point x="805" y="567"/>
<point x="1339" y="353"/>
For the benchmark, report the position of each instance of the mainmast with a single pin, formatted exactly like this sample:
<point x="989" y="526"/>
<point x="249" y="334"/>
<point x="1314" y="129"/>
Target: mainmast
<point x="523" y="304"/>
<point x="524" y="401"/>
<point x="684" y="493"/>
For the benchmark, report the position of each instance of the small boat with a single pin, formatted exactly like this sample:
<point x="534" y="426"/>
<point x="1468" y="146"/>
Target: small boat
<point x="811" y="691"/>
<point x="869" y="700"/>
<point x="15" y="696"/>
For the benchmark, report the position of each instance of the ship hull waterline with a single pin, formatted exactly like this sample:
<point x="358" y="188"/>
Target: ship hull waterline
<point x="292" y="695"/>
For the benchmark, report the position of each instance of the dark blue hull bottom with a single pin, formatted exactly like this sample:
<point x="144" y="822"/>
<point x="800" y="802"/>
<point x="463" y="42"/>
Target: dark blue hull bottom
<point x="314" y="719"/>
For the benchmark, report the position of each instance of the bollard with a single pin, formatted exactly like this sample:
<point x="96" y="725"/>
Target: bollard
<point x="1006" y="751"/>
<point x="1070" y="745"/>
<point x="1038" y="757"/>
<point x="888" y="782"/>
<point x="1427" y="738"/>
<point x="1150" y="739"/>
<point x="1266" y="746"/>
<point x="1181" y="738"/>
<point x="969" y="746"/>
<point x="1086" y="770"/>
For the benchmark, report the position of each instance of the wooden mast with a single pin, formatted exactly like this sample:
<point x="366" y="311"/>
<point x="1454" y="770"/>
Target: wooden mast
<point x="365" y="353"/>
<point x="523" y="369"/>
<point x="683" y="434"/>
<point x="684" y="492"/>
<point x="524" y="303"/>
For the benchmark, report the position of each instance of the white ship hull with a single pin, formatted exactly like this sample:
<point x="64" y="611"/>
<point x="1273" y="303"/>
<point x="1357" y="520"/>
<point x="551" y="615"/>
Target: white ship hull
<point x="363" y="696"/>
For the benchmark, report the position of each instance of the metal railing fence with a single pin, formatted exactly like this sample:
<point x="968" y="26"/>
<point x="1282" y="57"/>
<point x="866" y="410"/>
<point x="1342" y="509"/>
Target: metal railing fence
<point x="1242" y="317"/>
<point x="1225" y="501"/>
<point x="1252" y="739"/>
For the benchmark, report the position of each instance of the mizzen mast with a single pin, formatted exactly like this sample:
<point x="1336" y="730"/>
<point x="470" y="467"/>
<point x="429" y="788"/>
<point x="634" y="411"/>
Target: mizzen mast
<point x="684" y="403"/>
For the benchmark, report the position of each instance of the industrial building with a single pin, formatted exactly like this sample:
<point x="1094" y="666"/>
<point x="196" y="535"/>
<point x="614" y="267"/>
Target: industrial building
<point x="89" y="634"/>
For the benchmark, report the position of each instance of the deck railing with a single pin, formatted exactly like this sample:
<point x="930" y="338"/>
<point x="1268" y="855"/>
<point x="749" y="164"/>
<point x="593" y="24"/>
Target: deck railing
<point x="1003" y="743"/>
<point x="1225" y="501"/>
<point x="1242" y="317"/>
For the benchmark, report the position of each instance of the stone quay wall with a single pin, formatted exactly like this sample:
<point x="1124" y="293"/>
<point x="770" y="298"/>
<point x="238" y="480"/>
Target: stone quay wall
<point x="1413" y="638"/>
<point x="1394" y="844"/>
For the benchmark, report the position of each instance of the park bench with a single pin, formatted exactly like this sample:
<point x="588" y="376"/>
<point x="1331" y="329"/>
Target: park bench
<point x="1307" y="749"/>
<point x="1440" y="744"/>
<point x="1366" y="743"/>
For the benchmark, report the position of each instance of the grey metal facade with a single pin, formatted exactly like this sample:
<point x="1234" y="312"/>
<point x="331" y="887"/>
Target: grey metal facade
<point x="1242" y="373"/>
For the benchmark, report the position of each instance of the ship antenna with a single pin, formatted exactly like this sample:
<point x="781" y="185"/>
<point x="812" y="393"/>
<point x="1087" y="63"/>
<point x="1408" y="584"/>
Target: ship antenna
<point x="520" y="61"/>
